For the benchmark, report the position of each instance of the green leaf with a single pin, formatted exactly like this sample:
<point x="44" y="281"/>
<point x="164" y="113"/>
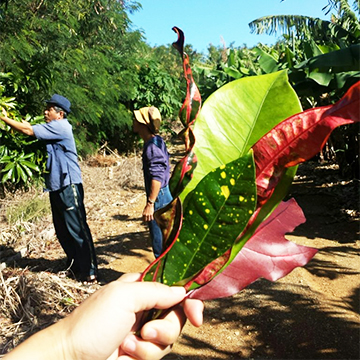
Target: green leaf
<point x="21" y="174"/>
<point x="233" y="72"/>
<point x="9" y="166"/>
<point x="30" y="165"/>
<point x="280" y="192"/>
<point x="7" y="176"/>
<point x="347" y="59"/>
<point x="5" y="159"/>
<point x="322" y="78"/>
<point x="236" y="116"/>
<point x="267" y="62"/>
<point x="216" y="212"/>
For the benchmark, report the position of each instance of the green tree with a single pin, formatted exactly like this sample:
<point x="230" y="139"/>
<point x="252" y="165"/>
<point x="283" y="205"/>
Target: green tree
<point x="159" y="80"/>
<point x="81" y="49"/>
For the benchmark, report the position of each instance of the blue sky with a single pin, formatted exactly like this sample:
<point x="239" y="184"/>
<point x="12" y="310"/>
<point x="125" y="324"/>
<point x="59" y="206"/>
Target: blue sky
<point x="209" y="21"/>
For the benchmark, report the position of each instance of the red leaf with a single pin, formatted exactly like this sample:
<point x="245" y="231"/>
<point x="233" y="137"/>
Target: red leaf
<point x="267" y="254"/>
<point x="192" y="103"/>
<point x="169" y="219"/>
<point x="299" y="138"/>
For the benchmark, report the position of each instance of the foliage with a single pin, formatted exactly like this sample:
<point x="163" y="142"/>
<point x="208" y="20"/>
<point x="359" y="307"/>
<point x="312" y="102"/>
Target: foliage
<point x="22" y="159"/>
<point x="87" y="52"/>
<point x="18" y="167"/>
<point x="321" y="58"/>
<point x="158" y="81"/>
<point x="223" y="66"/>
<point x="219" y="118"/>
<point x="205" y="235"/>
<point x="323" y="61"/>
<point x="263" y="256"/>
<point x="83" y="50"/>
<point x="343" y="29"/>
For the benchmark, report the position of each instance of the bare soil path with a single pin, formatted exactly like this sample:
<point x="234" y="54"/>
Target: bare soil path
<point x="313" y="313"/>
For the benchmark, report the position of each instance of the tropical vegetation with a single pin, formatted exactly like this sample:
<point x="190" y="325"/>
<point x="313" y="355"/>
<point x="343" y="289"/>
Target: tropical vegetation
<point x="89" y="52"/>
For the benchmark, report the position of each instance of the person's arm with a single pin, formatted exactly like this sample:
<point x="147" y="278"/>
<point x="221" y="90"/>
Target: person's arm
<point x="23" y="127"/>
<point x="103" y="326"/>
<point x="148" y="212"/>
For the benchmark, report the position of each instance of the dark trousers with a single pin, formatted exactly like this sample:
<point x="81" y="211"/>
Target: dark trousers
<point x="72" y="230"/>
<point x="162" y="200"/>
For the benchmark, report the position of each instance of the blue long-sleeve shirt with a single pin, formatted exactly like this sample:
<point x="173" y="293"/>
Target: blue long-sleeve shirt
<point x="156" y="162"/>
<point x="62" y="163"/>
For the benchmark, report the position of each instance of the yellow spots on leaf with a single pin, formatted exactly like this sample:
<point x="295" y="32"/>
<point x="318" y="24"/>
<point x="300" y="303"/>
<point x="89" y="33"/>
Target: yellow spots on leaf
<point x="250" y="212"/>
<point x="241" y="198"/>
<point x="190" y="212"/>
<point x="220" y="226"/>
<point x="207" y="211"/>
<point x="222" y="167"/>
<point x="214" y="248"/>
<point x="204" y="204"/>
<point x="225" y="191"/>
<point x="232" y="182"/>
<point x="223" y="174"/>
<point x="206" y="226"/>
<point x="165" y="281"/>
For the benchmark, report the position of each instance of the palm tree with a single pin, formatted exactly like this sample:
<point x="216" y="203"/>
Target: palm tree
<point x="343" y="29"/>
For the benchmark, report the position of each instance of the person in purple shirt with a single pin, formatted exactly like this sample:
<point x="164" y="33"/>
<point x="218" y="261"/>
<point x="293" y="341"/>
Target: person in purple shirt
<point x="156" y="168"/>
<point x="64" y="183"/>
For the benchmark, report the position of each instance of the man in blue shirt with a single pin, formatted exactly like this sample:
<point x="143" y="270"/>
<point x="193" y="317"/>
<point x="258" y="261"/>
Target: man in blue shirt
<point x="156" y="168"/>
<point x="64" y="183"/>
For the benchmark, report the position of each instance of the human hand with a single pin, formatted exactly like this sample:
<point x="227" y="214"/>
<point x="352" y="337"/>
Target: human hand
<point x="103" y="326"/>
<point x="148" y="212"/>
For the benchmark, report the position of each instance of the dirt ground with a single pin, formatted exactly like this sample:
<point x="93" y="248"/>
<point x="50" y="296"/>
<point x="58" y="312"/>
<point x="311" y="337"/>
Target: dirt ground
<point x="313" y="313"/>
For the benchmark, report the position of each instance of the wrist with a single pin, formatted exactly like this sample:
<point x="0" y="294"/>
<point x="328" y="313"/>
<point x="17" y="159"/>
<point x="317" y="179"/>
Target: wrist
<point x="149" y="201"/>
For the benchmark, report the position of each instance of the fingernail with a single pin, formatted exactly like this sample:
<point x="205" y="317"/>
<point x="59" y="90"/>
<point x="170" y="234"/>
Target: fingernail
<point x="149" y="333"/>
<point x="129" y="346"/>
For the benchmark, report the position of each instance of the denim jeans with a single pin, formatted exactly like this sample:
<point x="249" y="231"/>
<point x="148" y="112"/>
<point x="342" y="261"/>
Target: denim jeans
<point x="162" y="200"/>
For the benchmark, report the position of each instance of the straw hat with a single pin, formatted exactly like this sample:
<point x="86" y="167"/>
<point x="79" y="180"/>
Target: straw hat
<point x="149" y="116"/>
